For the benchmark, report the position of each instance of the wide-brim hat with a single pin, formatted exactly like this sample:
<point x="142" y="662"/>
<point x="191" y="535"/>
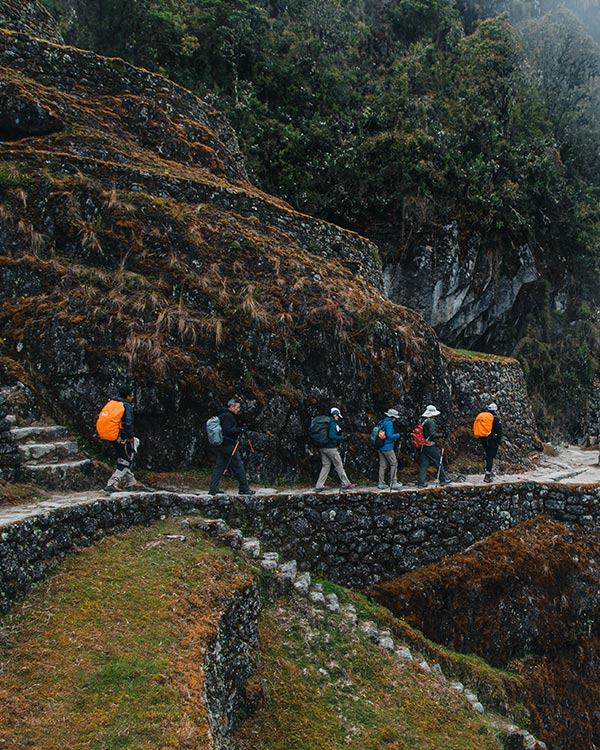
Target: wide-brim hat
<point x="391" y="413"/>
<point x="430" y="411"/>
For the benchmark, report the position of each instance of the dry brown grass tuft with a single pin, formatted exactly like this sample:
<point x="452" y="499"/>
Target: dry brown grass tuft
<point x="257" y="312"/>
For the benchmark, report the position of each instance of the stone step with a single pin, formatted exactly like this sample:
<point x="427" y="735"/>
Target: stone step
<point x="39" y="433"/>
<point x="67" y="474"/>
<point x="46" y="453"/>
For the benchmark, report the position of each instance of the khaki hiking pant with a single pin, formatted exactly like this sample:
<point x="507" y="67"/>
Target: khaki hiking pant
<point x="331" y="457"/>
<point x="387" y="458"/>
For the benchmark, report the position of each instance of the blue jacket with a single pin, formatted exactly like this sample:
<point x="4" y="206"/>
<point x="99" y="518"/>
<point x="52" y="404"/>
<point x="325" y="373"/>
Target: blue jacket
<point x="390" y="435"/>
<point x="335" y="434"/>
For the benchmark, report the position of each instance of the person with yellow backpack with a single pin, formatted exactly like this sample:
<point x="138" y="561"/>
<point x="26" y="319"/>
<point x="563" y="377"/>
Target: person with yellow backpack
<point x="487" y="428"/>
<point x="115" y="424"/>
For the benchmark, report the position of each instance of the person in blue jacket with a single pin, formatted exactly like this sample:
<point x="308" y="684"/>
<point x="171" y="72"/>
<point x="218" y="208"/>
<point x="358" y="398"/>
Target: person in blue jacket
<point x="330" y="455"/>
<point x="387" y="452"/>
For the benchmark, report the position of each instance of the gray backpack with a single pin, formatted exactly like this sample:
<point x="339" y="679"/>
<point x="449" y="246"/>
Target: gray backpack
<point x="214" y="431"/>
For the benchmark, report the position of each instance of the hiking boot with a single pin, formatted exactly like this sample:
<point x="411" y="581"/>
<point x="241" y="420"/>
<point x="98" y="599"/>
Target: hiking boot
<point x="110" y="488"/>
<point x="351" y="487"/>
<point x="216" y="492"/>
<point x="396" y="486"/>
<point x="421" y="486"/>
<point x="488" y="477"/>
<point x="320" y="489"/>
<point x="247" y="492"/>
<point x="382" y="486"/>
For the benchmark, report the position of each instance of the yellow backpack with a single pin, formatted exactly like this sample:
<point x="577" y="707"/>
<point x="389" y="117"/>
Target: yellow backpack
<point x="482" y="426"/>
<point x="108" y="424"/>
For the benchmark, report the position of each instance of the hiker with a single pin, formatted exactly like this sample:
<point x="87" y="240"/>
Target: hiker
<point x="330" y="455"/>
<point x="487" y="428"/>
<point x="228" y="455"/>
<point x="430" y="454"/>
<point x="387" y="453"/>
<point x="125" y="444"/>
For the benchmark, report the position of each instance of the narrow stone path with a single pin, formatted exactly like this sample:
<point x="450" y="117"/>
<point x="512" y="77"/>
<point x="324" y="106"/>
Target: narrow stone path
<point x="570" y="465"/>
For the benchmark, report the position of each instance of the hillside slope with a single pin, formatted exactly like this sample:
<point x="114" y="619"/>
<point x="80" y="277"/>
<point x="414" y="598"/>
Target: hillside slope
<point x="134" y="246"/>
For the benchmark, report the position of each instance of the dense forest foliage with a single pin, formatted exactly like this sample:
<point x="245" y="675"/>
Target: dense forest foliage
<point x="392" y="118"/>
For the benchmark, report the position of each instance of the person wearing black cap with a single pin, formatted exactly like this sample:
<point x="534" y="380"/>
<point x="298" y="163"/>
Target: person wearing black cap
<point x="228" y="455"/>
<point x="330" y="455"/>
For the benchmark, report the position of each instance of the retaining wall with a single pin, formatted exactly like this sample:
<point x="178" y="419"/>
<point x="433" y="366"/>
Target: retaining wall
<point x="354" y="538"/>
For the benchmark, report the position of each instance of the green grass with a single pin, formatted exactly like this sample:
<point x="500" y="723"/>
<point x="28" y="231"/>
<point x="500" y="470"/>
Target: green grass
<point x="106" y="653"/>
<point x="15" y="494"/>
<point x="326" y="687"/>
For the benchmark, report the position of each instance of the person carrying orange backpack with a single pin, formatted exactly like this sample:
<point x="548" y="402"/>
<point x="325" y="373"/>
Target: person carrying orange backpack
<point x="487" y="428"/>
<point x="115" y="424"/>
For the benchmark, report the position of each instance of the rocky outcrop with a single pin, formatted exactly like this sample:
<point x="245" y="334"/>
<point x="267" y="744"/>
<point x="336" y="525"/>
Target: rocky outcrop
<point x="467" y="291"/>
<point x="30" y="18"/>
<point x="134" y="247"/>
<point x="10" y="460"/>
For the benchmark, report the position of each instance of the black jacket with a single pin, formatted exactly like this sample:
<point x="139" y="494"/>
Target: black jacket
<point x="495" y="435"/>
<point x="127" y="432"/>
<point x="231" y="430"/>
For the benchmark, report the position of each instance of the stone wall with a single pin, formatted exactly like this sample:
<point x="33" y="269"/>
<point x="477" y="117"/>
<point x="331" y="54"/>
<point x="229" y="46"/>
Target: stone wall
<point x="353" y="538"/>
<point x="229" y="663"/>
<point x="476" y="382"/>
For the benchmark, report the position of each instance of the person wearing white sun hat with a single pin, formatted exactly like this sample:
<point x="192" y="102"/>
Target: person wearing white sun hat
<point x="430" y="454"/>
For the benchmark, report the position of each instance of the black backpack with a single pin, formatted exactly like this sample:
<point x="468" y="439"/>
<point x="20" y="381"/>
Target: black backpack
<point x="319" y="431"/>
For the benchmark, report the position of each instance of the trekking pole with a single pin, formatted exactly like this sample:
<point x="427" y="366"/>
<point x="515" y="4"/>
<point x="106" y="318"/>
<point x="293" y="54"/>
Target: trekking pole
<point x="343" y="465"/>
<point x="235" y="447"/>
<point x="439" y="471"/>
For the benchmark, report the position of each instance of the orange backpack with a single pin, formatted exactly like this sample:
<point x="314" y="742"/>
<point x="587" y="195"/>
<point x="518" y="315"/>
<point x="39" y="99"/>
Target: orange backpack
<point x="482" y="426"/>
<point x="108" y="424"/>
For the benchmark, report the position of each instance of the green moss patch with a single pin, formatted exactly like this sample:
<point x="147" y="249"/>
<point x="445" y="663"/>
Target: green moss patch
<point x="107" y="652"/>
<point x="327" y="686"/>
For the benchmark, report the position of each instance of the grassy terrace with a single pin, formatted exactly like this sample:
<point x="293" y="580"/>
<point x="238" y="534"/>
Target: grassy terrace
<point x="107" y="653"/>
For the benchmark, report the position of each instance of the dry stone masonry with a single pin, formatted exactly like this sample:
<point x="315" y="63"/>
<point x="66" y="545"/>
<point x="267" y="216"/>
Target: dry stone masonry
<point x="352" y="538"/>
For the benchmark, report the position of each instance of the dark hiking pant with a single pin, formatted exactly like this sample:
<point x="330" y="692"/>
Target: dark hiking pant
<point x="490" y="448"/>
<point x="124" y="454"/>
<point x="430" y="456"/>
<point x="236" y="466"/>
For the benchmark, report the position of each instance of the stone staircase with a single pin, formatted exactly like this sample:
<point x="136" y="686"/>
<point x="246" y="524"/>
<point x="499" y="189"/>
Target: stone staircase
<point x="50" y="457"/>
